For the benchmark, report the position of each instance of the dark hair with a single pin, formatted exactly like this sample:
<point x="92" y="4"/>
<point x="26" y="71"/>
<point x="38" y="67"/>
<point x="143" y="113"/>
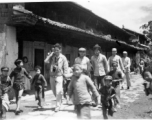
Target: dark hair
<point x="25" y="58"/>
<point x="38" y="68"/>
<point x="57" y="45"/>
<point x="17" y="62"/>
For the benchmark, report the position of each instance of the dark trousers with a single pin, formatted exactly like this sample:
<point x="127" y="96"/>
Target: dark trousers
<point x="107" y="110"/>
<point x="65" y="87"/>
<point x="99" y="80"/>
<point x="39" y="94"/>
<point x="83" y="111"/>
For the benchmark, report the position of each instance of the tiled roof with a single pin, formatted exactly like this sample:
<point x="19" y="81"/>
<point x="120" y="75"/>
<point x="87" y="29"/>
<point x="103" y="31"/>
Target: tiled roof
<point x="45" y="21"/>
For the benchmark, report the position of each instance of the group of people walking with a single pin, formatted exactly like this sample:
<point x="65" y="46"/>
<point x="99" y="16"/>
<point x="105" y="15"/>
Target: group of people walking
<point x="88" y="80"/>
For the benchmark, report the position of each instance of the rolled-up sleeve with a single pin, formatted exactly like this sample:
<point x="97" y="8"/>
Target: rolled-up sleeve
<point x="93" y="88"/>
<point x="106" y="64"/>
<point x="65" y="66"/>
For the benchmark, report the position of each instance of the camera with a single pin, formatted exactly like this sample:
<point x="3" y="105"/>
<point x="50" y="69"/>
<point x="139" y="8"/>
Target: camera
<point x="54" y="68"/>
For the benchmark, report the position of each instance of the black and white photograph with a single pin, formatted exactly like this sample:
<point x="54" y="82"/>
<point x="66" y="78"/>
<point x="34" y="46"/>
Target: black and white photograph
<point x="75" y="59"/>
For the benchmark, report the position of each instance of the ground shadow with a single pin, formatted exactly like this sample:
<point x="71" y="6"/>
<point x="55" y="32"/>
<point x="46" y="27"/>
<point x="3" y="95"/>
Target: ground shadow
<point x="43" y="109"/>
<point x="149" y="112"/>
<point x="70" y="111"/>
<point x="32" y="91"/>
<point x="31" y="106"/>
<point x="11" y="111"/>
<point x="150" y="98"/>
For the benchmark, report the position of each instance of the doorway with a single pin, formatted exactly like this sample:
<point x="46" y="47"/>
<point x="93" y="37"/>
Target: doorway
<point x="39" y="59"/>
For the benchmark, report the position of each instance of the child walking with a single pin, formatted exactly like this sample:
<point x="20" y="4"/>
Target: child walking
<point x="107" y="97"/>
<point x="66" y="82"/>
<point x="19" y="74"/>
<point x="40" y="85"/>
<point x="5" y="86"/>
<point x="117" y="76"/>
<point x="78" y="87"/>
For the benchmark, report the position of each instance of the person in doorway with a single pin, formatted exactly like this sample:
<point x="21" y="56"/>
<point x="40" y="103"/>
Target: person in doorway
<point x="83" y="61"/>
<point x="117" y="76"/>
<point x="58" y="69"/>
<point x="27" y="82"/>
<point x="117" y="59"/>
<point x="5" y="86"/>
<point x="126" y="64"/>
<point x="40" y="85"/>
<point x="78" y="87"/>
<point x="141" y="65"/>
<point x="100" y="66"/>
<point x="107" y="97"/>
<point x="19" y="74"/>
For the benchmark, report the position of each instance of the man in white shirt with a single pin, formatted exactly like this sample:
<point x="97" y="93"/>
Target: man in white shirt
<point x="126" y="63"/>
<point x="83" y="61"/>
<point x="100" y="66"/>
<point x="115" y="58"/>
<point x="58" y="70"/>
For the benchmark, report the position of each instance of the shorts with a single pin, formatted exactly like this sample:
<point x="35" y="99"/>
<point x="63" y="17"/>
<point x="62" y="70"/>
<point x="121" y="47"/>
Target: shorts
<point x="18" y="86"/>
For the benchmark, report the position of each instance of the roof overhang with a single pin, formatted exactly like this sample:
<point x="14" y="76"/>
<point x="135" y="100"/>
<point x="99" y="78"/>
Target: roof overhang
<point x="30" y="19"/>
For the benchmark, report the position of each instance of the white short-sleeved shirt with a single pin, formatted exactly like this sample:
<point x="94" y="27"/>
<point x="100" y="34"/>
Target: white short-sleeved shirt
<point x="83" y="62"/>
<point x="99" y="65"/>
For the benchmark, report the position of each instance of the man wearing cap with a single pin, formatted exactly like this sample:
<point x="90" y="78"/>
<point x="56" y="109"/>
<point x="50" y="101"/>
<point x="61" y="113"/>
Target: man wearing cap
<point x="126" y="63"/>
<point x="115" y="58"/>
<point x="83" y="60"/>
<point x="58" y="69"/>
<point x="100" y="66"/>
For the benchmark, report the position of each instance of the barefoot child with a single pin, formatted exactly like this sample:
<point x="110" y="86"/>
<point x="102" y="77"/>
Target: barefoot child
<point x="78" y="87"/>
<point x="19" y="74"/>
<point x="5" y="85"/>
<point x="66" y="82"/>
<point x="40" y="85"/>
<point x="107" y="97"/>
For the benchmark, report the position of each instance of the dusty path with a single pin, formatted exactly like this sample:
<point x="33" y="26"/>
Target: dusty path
<point x="134" y="104"/>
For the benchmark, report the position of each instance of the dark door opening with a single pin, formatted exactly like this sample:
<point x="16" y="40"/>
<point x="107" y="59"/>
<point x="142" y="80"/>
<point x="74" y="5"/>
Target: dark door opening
<point x="39" y="59"/>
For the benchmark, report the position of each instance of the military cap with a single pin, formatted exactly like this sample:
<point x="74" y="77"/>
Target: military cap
<point x="124" y="52"/>
<point x="82" y="49"/>
<point x="114" y="49"/>
<point x="108" y="78"/>
<point x="4" y="69"/>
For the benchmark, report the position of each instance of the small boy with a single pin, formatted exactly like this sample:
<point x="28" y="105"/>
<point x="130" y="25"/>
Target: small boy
<point x="40" y="85"/>
<point x="107" y="97"/>
<point x="5" y="86"/>
<point x="117" y="76"/>
<point x="148" y="83"/>
<point x="78" y="87"/>
<point x="66" y="82"/>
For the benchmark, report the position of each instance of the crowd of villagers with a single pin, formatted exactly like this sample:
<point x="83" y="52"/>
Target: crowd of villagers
<point x="95" y="82"/>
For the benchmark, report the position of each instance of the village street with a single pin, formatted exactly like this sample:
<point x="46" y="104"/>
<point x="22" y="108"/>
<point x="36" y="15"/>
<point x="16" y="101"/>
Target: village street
<point x="134" y="105"/>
